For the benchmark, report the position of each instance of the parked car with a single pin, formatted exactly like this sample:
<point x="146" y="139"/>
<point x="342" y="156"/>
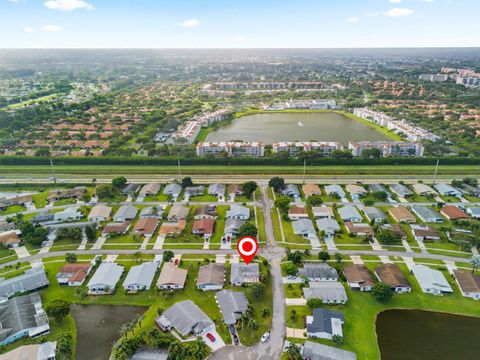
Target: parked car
<point x="211" y="337"/>
<point x="232" y="329"/>
<point x="235" y="339"/>
<point x="265" y="337"/>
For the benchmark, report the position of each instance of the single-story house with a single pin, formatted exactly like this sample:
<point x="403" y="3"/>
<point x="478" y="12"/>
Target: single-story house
<point x="323" y="212"/>
<point x="125" y="212"/>
<point x="330" y="292"/>
<point x="474" y="212"/>
<point x="304" y="227"/>
<point x="350" y="213"/>
<point x="356" y="191"/>
<point x="396" y="228"/>
<point x="195" y="190"/>
<point x="100" y="213"/>
<point x="318" y="272"/>
<point x="316" y="351"/>
<point x="172" y="277"/>
<point x="375" y="188"/>
<point x="238" y="212"/>
<point x="423" y="190"/>
<point x="402" y="214"/>
<point x="232" y="304"/>
<point x="324" y="324"/>
<point x="151" y="212"/>
<point x="186" y="318"/>
<point x="10" y="238"/>
<point x="146" y="226"/>
<point x="43" y="217"/>
<point x="391" y="275"/>
<point x="150" y="354"/>
<point x="335" y="189"/>
<point x="140" y="277"/>
<point x="328" y="225"/>
<point x="69" y="214"/>
<point x="105" y="279"/>
<point x="427" y="214"/>
<point x="358" y="277"/>
<point x="73" y="274"/>
<point x="468" y="282"/>
<point x="297" y="212"/>
<point x="453" y="213"/>
<point x="430" y="280"/>
<point x="130" y="189"/>
<point x="204" y="227"/>
<point x="173" y="190"/>
<point x="211" y="277"/>
<point x="241" y="273"/>
<point x="172" y="228"/>
<point x="232" y="227"/>
<point x="235" y="190"/>
<point x="44" y="351"/>
<point x="206" y="212"/>
<point x="22" y="316"/>
<point x="374" y="214"/>
<point x="359" y="229"/>
<point x="469" y="190"/>
<point x="447" y="190"/>
<point x="311" y="190"/>
<point x="6" y="226"/>
<point x="150" y="189"/>
<point x="291" y="190"/>
<point x="75" y="193"/>
<point x="178" y="212"/>
<point x="401" y="190"/>
<point x="32" y="279"/>
<point x="217" y="190"/>
<point x="116" y="228"/>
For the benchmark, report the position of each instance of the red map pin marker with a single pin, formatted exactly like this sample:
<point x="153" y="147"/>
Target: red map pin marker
<point x="247" y="247"/>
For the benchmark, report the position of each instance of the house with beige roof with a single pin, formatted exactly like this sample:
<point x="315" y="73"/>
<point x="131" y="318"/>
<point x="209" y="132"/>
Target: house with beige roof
<point x="10" y="238"/>
<point x="423" y="190"/>
<point x="178" y="212"/>
<point x="296" y="212"/>
<point x="172" y="277"/>
<point x="172" y="228"/>
<point x="402" y="214"/>
<point x="468" y="282"/>
<point x="211" y="277"/>
<point x="100" y="213"/>
<point x="311" y="189"/>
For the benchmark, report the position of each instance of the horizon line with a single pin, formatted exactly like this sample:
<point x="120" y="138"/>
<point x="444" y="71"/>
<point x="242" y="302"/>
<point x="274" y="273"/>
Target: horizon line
<point x="244" y="48"/>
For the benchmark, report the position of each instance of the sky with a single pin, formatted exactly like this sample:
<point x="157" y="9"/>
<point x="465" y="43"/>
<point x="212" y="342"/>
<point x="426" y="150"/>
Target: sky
<point x="238" y="23"/>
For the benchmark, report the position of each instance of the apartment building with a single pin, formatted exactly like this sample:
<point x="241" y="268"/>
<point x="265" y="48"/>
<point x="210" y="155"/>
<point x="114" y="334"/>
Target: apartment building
<point x="387" y="148"/>
<point x="188" y="131"/>
<point x="233" y="149"/>
<point x="325" y="147"/>
<point x="374" y="116"/>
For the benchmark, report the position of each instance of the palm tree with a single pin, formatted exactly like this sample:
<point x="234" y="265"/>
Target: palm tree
<point x="250" y="310"/>
<point x="201" y="349"/>
<point x="253" y="324"/>
<point x="293" y="352"/>
<point x="338" y="257"/>
<point x="266" y="312"/>
<point x="243" y="319"/>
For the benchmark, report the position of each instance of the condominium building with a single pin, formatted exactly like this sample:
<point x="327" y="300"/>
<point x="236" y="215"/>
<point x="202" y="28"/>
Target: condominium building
<point x="412" y="133"/>
<point x="387" y="148"/>
<point x="319" y="104"/>
<point x="212" y="117"/>
<point x="188" y="131"/>
<point x="234" y="149"/>
<point x="469" y="81"/>
<point x="433" y="77"/>
<point x="374" y="116"/>
<point x="325" y="147"/>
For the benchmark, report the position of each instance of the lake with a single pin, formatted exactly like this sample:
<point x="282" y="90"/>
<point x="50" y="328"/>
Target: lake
<point x="424" y="335"/>
<point x="273" y="127"/>
<point x="98" y="328"/>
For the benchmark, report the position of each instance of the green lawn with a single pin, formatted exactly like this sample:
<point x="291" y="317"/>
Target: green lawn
<point x="13" y="209"/>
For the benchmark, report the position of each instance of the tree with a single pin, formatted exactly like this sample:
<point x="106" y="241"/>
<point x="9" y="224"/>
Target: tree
<point x="371" y="154"/>
<point x="187" y="181"/>
<point x="71" y="258"/>
<point x="277" y="183"/>
<point x="258" y="290"/>
<point x="249" y="188"/>
<point x="313" y="303"/>
<point x="119" y="182"/>
<point x="58" y="309"/>
<point x="266" y="312"/>
<point x="382" y="292"/>
<point x="64" y="350"/>
<point x="293" y="352"/>
<point x="314" y="200"/>
<point x="247" y="229"/>
<point x="296" y="257"/>
<point x="324" y="256"/>
<point x="177" y="351"/>
<point x="475" y="261"/>
<point x="198" y="349"/>
<point x="90" y="233"/>
<point x="105" y="191"/>
<point x="470" y="181"/>
<point x="388" y="237"/>
<point x="338" y="257"/>
<point x="337" y="339"/>
<point x="290" y="269"/>
<point x="253" y="324"/>
<point x="282" y="203"/>
<point x="42" y="152"/>
<point x="168" y="255"/>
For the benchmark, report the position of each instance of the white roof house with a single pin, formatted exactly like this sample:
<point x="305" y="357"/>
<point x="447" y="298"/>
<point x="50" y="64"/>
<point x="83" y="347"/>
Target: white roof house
<point x="315" y="351"/>
<point x="321" y="212"/>
<point x="140" y="277"/>
<point x="474" y="212"/>
<point x="69" y="214"/>
<point x="173" y="190"/>
<point x="105" y="278"/>
<point x="430" y="280"/>
<point x="335" y="189"/>
<point x="350" y="213"/>
<point x="238" y="212"/>
<point x="447" y="190"/>
<point x="423" y="190"/>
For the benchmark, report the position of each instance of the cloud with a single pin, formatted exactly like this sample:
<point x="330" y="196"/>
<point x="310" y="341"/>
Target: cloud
<point x="51" y="28"/>
<point x="395" y="1"/>
<point x="190" y="23"/>
<point x="351" y="19"/>
<point x="68" y="5"/>
<point x="397" y="12"/>
<point x="372" y="14"/>
<point x="28" y="29"/>
<point x="239" y="39"/>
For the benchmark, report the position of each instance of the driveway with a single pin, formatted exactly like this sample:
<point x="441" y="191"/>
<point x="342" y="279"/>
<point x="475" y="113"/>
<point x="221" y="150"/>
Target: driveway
<point x="218" y="344"/>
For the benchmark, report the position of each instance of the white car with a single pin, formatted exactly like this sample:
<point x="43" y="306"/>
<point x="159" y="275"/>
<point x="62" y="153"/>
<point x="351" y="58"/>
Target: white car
<point x="265" y="337"/>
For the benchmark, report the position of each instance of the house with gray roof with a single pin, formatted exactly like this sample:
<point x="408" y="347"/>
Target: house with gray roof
<point x="427" y="214"/>
<point x="378" y="188"/>
<point x="22" y="316"/>
<point x="324" y="323"/>
<point x="105" y="279"/>
<point x="401" y="190"/>
<point x="374" y="214"/>
<point x="318" y="272"/>
<point x="150" y="189"/>
<point x="186" y="318"/>
<point x="217" y="190"/>
<point x="32" y="279"/>
<point x="150" y="354"/>
<point x="43" y="217"/>
<point x="232" y="227"/>
<point x="304" y="227"/>
<point x="291" y="190"/>
<point x="241" y="273"/>
<point x="316" y="351"/>
<point x="335" y="189"/>
<point x="238" y="212"/>
<point x="151" y="212"/>
<point x="330" y="292"/>
<point x="125" y="212"/>
<point x="232" y="305"/>
<point x="194" y="191"/>
<point x="69" y="214"/>
<point x="447" y="190"/>
<point x="130" y="189"/>
<point x="140" y="277"/>
<point x="350" y="213"/>
<point x="211" y="277"/>
<point x="430" y="280"/>
<point x="178" y="212"/>
<point x="468" y="189"/>
<point x="328" y="226"/>
<point x="173" y="190"/>
<point x="474" y="212"/>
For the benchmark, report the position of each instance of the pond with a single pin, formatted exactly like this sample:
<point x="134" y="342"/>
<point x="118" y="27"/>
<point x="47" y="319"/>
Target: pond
<point x="273" y="127"/>
<point x="424" y="335"/>
<point x="98" y="328"/>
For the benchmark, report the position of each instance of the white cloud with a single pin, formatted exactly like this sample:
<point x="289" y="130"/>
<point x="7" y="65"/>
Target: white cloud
<point x="395" y="1"/>
<point x="239" y="39"/>
<point x="51" y="28"/>
<point x="351" y="19"/>
<point x="372" y="14"/>
<point x="68" y="5"/>
<point x="28" y="29"/>
<point x="397" y="12"/>
<point x="190" y="23"/>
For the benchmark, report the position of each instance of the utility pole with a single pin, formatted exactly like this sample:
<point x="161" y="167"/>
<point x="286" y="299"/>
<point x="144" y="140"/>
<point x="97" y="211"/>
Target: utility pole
<point x="54" y="178"/>
<point x="435" y="174"/>
<point x="179" y="172"/>
<point x="304" y="169"/>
